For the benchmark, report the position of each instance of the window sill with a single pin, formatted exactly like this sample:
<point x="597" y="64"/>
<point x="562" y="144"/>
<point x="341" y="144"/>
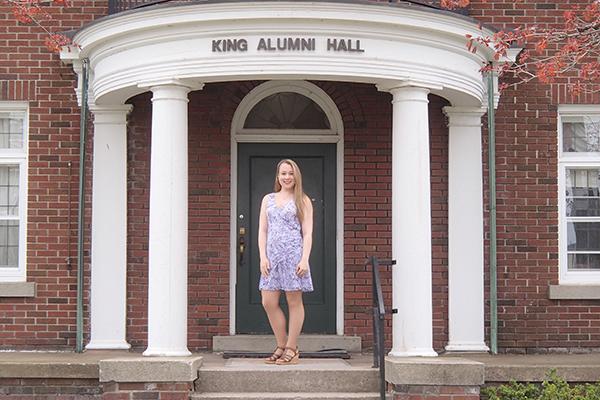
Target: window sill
<point x="574" y="292"/>
<point x="17" y="289"/>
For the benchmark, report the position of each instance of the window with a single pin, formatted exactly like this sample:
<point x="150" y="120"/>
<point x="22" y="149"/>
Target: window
<point x="287" y="110"/>
<point x="579" y="194"/>
<point x="13" y="185"/>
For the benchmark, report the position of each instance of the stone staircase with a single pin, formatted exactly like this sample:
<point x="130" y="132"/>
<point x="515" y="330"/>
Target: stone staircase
<point x="312" y="379"/>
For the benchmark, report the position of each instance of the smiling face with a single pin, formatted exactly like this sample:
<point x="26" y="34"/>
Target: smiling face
<point x="286" y="176"/>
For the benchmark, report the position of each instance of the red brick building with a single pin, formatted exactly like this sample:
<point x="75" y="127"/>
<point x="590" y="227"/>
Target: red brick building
<point x="192" y="103"/>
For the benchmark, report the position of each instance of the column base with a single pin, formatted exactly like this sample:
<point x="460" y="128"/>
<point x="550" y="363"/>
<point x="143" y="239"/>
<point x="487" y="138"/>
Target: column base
<point x="467" y="347"/>
<point x="158" y="352"/>
<point x="413" y="353"/>
<point x="108" y="345"/>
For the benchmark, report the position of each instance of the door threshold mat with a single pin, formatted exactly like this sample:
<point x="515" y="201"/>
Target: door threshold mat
<point x="327" y="353"/>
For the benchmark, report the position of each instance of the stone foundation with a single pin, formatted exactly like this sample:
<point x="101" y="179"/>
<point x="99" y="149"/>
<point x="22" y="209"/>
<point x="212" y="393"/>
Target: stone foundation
<point x="151" y="391"/>
<point x="437" y="378"/>
<point x="435" y="392"/>
<point x="50" y="388"/>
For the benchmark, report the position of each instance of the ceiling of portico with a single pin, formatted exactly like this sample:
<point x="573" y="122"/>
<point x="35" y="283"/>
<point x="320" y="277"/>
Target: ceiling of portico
<point x="227" y="41"/>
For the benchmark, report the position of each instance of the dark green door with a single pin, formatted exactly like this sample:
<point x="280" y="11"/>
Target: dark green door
<point x="256" y="175"/>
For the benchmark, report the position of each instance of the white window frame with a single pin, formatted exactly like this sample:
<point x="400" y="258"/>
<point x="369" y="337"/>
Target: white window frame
<point x="18" y="157"/>
<point x="573" y="160"/>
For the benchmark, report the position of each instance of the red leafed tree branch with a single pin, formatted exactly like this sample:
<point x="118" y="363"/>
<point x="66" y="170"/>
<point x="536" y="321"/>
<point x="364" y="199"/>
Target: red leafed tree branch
<point x="36" y="12"/>
<point x="570" y="52"/>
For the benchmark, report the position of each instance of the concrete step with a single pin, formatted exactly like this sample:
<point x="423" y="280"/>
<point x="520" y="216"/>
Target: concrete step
<point x="266" y="343"/>
<point x="309" y="376"/>
<point x="286" y="396"/>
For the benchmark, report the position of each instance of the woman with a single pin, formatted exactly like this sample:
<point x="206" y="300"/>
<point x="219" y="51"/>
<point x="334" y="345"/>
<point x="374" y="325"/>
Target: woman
<point x="284" y="242"/>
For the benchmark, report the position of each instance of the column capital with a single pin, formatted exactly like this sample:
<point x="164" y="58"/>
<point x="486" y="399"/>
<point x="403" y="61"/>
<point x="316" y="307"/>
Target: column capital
<point x="464" y="116"/>
<point x="170" y="91"/>
<point x="190" y="84"/>
<point x="110" y="114"/>
<point x="395" y="87"/>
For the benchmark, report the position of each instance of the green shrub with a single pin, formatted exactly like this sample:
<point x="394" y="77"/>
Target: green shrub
<point x="553" y="388"/>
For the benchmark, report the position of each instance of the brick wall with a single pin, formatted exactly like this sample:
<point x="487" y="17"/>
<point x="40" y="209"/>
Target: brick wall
<point x="50" y="388"/>
<point x="527" y="198"/>
<point x="147" y="390"/>
<point x="28" y="71"/>
<point x="367" y="191"/>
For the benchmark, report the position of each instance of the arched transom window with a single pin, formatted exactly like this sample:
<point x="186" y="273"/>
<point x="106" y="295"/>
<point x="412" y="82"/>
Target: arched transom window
<point x="287" y="110"/>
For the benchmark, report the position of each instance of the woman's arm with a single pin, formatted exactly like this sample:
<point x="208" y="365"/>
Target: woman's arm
<point x="307" y="229"/>
<point x="262" y="238"/>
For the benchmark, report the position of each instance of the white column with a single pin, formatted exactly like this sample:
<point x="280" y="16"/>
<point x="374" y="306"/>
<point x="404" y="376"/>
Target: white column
<point x="168" y="228"/>
<point x="108" y="293"/>
<point x="411" y="224"/>
<point x="465" y="231"/>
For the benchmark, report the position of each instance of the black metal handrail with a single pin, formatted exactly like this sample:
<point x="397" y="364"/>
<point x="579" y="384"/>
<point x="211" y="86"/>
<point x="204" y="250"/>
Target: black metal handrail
<point x="379" y="322"/>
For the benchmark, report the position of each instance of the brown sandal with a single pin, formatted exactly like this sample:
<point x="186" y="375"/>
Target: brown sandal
<point x="290" y="356"/>
<point x="275" y="356"/>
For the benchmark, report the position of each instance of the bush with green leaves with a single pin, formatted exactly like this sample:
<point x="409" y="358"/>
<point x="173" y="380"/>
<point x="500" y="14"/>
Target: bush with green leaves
<point x="553" y="388"/>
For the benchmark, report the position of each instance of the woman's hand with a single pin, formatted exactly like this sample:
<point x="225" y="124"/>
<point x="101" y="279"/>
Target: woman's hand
<point x="264" y="267"/>
<point x="302" y="268"/>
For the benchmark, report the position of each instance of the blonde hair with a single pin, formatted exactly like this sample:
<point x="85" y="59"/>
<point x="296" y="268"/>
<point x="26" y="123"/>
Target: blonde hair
<point x="298" y="192"/>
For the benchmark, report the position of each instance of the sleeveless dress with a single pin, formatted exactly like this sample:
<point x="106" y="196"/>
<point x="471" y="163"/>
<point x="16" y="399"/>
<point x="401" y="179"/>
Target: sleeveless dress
<point x="284" y="249"/>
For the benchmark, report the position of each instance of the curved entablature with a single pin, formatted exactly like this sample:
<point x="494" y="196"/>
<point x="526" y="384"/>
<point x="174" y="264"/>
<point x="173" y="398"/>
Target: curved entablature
<point x="291" y="40"/>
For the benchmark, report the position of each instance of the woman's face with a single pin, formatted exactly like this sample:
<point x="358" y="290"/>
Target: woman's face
<point x="286" y="176"/>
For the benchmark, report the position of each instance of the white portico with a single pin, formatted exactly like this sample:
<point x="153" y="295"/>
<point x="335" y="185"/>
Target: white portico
<point x="170" y="50"/>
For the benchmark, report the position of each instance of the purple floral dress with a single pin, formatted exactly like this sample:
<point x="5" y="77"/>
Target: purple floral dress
<point x="284" y="249"/>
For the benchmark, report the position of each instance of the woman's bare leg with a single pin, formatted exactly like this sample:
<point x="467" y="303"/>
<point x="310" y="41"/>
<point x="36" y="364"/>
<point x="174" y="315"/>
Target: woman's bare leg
<point x="296" y="307"/>
<point x="270" y="302"/>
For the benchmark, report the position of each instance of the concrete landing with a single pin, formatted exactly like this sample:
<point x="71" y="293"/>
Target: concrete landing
<point x="533" y="368"/>
<point x="497" y="368"/>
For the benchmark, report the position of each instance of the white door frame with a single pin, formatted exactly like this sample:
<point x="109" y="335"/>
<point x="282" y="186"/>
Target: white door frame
<point x="334" y="135"/>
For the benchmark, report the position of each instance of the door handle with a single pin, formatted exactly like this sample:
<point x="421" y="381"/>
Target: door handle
<point x="241" y="246"/>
